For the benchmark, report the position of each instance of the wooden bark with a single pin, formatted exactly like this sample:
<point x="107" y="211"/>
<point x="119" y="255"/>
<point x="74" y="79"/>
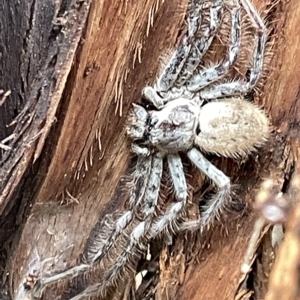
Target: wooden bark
<point x="82" y="65"/>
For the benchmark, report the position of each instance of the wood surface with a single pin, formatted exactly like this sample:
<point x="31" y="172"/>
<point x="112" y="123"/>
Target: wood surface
<point x="73" y="69"/>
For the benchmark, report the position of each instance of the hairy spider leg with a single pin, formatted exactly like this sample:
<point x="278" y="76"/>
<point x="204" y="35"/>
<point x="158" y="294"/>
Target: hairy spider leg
<point x="137" y="236"/>
<point x="168" y="219"/>
<point x="177" y="176"/>
<point x="206" y="77"/>
<point x="42" y="283"/>
<point x="240" y="87"/>
<point x="194" y="16"/>
<point x="188" y="55"/>
<point x="216" y="205"/>
<point x="172" y="69"/>
<point x="201" y="40"/>
<point x="147" y="228"/>
<point x="140" y="181"/>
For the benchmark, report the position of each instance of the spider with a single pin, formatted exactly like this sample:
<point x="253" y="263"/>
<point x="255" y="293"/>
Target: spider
<point x="187" y="112"/>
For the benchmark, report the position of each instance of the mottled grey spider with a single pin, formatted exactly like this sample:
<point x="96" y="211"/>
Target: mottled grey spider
<point x="181" y="120"/>
<point x="190" y="112"/>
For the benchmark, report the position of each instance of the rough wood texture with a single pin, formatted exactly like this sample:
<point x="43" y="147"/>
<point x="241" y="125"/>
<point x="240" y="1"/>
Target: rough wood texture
<point x="86" y="152"/>
<point x="78" y="79"/>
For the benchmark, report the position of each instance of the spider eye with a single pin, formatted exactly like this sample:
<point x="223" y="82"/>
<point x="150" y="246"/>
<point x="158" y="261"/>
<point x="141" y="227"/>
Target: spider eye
<point x="152" y="123"/>
<point x="249" y="96"/>
<point x="148" y="105"/>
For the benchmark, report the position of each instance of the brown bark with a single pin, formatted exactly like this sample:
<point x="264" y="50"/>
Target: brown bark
<point x="80" y="71"/>
<point x="86" y="152"/>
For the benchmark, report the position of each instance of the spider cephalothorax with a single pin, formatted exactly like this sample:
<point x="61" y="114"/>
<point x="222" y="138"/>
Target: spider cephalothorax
<point x="171" y="128"/>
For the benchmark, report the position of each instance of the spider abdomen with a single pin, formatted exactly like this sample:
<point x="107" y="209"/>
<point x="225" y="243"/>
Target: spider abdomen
<point x="231" y="127"/>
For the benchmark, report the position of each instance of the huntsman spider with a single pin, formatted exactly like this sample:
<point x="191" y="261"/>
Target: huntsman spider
<point x="189" y="111"/>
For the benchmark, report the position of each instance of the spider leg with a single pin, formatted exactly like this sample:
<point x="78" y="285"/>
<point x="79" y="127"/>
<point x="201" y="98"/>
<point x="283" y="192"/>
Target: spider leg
<point x="170" y="216"/>
<point x="178" y="176"/>
<point x="42" y="283"/>
<point x="188" y="55"/>
<point x="215" y="206"/>
<point x="257" y="66"/>
<point x="141" y="175"/>
<point x="140" y="180"/>
<point x="171" y="71"/>
<point x="239" y="87"/>
<point x="137" y="236"/>
<point x="105" y="228"/>
<point x="147" y="228"/>
<point x="204" y="78"/>
<point x="203" y="36"/>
